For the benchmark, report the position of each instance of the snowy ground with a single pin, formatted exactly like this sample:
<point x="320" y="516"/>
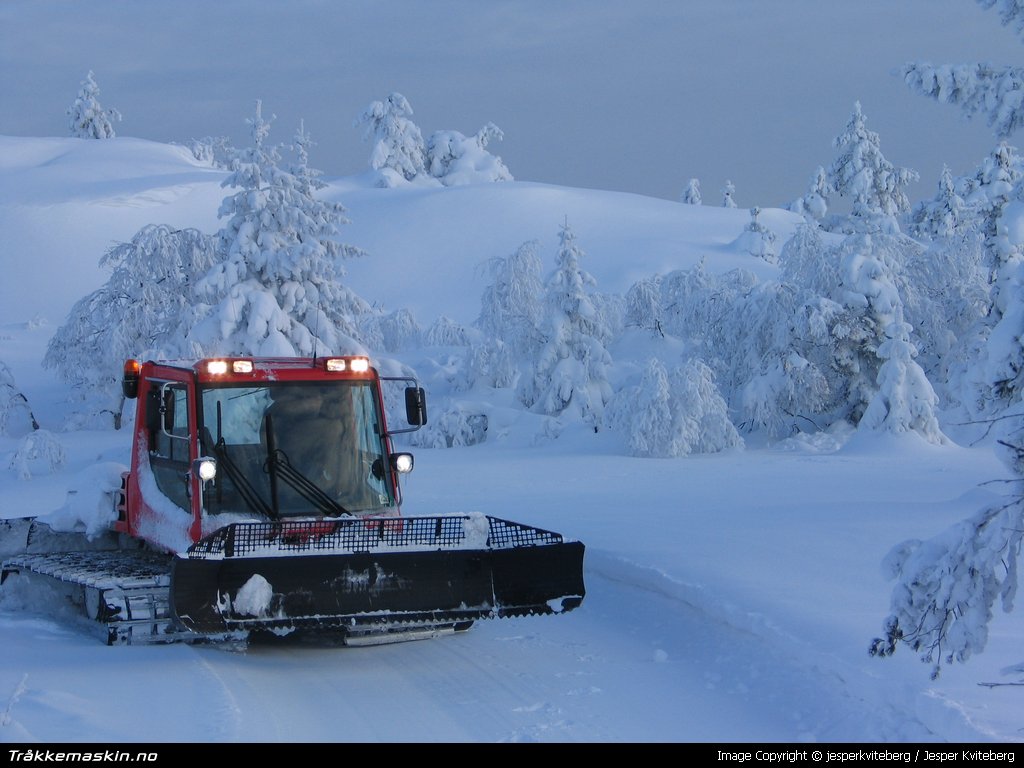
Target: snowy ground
<point x="730" y="597"/>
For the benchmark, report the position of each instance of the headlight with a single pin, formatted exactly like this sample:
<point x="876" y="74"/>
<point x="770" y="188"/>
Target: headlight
<point x="205" y="468"/>
<point x="401" y="462"/>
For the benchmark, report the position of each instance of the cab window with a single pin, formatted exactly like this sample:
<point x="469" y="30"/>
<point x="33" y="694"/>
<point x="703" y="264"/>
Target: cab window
<point x="169" y="441"/>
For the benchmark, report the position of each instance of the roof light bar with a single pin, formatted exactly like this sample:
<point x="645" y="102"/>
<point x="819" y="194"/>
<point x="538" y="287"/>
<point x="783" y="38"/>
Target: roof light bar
<point x="220" y="367"/>
<point x="353" y="364"/>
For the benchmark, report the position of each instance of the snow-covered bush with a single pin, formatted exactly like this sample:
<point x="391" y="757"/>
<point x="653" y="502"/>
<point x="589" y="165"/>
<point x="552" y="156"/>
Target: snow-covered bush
<point x="667" y="416"/>
<point x="39" y="453"/>
<point x="702" y="416"/>
<point x="446" y="332"/>
<point x="141" y="311"/>
<point x="787" y="395"/>
<point x="643" y="305"/>
<point x="16" y="417"/>
<point x="454" y="425"/>
<point x="400" y="331"/>
<point x="456" y="159"/>
<point x="512" y="303"/>
<point x="215" y="150"/>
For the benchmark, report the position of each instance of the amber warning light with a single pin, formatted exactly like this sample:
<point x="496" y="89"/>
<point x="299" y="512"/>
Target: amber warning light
<point x="130" y="380"/>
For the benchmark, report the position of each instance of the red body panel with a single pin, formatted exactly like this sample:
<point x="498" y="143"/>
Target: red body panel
<point x="139" y="516"/>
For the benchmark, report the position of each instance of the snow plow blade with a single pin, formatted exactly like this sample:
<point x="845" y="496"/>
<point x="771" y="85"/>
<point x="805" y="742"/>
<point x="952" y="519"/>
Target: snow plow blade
<point x="374" y="576"/>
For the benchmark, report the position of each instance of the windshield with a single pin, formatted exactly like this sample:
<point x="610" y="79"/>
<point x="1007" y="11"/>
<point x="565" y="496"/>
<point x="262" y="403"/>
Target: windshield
<point x="289" y="449"/>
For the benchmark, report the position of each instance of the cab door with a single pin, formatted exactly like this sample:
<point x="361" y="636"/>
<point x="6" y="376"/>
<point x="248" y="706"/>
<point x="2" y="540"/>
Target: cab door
<point x="162" y="487"/>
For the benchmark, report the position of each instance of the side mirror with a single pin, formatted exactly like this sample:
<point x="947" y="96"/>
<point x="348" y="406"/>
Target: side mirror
<point x="416" y="406"/>
<point x="153" y="411"/>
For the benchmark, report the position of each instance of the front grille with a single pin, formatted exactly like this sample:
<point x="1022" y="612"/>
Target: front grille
<point x="369" y="535"/>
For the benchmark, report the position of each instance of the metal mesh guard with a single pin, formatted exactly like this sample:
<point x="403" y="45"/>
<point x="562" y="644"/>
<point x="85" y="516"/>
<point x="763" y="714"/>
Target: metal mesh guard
<point x="369" y="534"/>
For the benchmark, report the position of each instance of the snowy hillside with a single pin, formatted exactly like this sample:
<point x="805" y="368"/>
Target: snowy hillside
<point x="732" y="590"/>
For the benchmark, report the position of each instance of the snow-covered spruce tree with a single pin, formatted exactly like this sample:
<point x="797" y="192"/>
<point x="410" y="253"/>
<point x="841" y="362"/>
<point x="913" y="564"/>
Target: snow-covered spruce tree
<point x="16" y="418"/>
<point x="993" y="92"/>
<point x="861" y="173"/>
<point x="569" y="376"/>
<point x="946" y="587"/>
<point x="276" y="288"/>
<point x="398" y="150"/>
<point x="995" y="192"/>
<point x="455" y="159"/>
<point x="141" y="311"/>
<point x="829" y="342"/>
<point x="1002" y="363"/>
<point x="814" y="204"/>
<point x="757" y="240"/>
<point x="86" y="117"/>
<point x="993" y="185"/>
<point x="691" y="195"/>
<point x="905" y="400"/>
<point x="729" y="195"/>
<point x="869" y="289"/>
<point x="855" y="289"/>
<point x="942" y="216"/>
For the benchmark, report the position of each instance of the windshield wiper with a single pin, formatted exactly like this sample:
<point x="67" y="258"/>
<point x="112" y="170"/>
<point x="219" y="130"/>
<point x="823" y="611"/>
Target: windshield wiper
<point x="279" y="467"/>
<point x="249" y="494"/>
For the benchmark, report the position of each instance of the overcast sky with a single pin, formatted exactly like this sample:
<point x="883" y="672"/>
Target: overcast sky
<point x="634" y="96"/>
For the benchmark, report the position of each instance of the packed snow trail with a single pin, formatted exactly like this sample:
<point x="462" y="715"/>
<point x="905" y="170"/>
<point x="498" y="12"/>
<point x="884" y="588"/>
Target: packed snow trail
<point x="554" y="679"/>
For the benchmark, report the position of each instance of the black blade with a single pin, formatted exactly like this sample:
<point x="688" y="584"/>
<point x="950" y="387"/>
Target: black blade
<point x="360" y="589"/>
